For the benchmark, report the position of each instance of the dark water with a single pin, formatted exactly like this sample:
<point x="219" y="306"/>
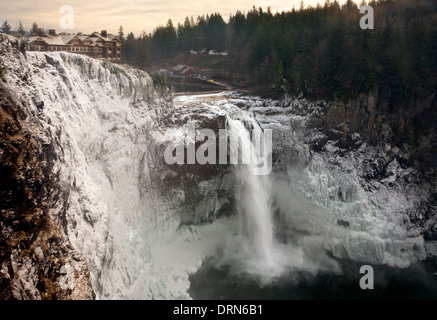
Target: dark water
<point x="419" y="281"/>
<point x="178" y="87"/>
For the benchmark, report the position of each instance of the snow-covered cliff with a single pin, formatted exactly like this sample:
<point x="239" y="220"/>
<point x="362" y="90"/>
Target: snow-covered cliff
<point x="108" y="126"/>
<point x="37" y="261"/>
<point x="131" y="226"/>
<point x="362" y="203"/>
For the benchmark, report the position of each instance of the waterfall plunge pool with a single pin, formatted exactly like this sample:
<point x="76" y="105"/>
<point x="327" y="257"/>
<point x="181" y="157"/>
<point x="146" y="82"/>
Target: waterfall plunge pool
<point x="419" y="281"/>
<point x="250" y="263"/>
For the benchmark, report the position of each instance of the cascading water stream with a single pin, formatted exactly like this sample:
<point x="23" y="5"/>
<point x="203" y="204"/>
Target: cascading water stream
<point x="253" y="194"/>
<point x="254" y="251"/>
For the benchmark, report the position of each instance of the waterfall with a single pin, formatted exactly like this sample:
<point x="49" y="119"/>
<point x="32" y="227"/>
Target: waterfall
<point x="134" y="219"/>
<point x="253" y="193"/>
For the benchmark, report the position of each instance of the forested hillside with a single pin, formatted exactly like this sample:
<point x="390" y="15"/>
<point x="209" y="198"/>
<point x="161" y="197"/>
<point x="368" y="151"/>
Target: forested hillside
<point x="313" y="52"/>
<point x="320" y="52"/>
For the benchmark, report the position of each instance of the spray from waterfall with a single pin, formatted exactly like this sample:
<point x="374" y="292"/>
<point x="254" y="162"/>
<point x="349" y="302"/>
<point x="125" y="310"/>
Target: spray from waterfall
<point x="253" y="193"/>
<point x="254" y="250"/>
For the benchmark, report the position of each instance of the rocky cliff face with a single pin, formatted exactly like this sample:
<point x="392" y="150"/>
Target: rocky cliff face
<point x="83" y="159"/>
<point x="99" y="184"/>
<point x="207" y="189"/>
<point x="402" y="137"/>
<point x="410" y="128"/>
<point x="37" y="260"/>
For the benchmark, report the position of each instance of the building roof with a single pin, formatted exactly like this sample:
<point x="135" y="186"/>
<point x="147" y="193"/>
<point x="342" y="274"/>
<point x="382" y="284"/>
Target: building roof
<point x="64" y="39"/>
<point x="113" y="38"/>
<point x="83" y="38"/>
<point x="181" y="69"/>
<point x="34" y="38"/>
<point x="100" y="36"/>
<point x="178" y="67"/>
<point x="54" y="40"/>
<point x="96" y="42"/>
<point x="67" y="37"/>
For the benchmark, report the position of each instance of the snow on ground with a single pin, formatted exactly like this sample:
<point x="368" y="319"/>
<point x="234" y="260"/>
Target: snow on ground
<point x="107" y="120"/>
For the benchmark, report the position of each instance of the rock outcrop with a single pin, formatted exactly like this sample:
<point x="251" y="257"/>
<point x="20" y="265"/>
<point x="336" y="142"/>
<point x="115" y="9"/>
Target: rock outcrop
<point x="410" y="128"/>
<point x="95" y="137"/>
<point x="37" y="261"/>
<point x="403" y="138"/>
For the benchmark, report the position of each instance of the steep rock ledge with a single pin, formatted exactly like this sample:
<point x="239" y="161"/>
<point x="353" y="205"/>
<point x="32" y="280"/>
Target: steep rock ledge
<point x="36" y="259"/>
<point x="207" y="189"/>
<point x="402" y="138"/>
<point x="101" y="131"/>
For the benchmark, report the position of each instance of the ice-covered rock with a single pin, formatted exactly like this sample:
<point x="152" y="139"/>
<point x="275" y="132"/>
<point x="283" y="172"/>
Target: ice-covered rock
<point x="35" y="252"/>
<point x="130" y="215"/>
<point x="107" y="126"/>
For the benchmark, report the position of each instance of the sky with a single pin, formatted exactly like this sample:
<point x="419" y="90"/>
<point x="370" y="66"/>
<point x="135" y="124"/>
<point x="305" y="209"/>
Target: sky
<point x="134" y="15"/>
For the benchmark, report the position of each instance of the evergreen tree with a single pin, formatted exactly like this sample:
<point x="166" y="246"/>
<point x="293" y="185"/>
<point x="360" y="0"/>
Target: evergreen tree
<point x="20" y="29"/>
<point x="6" y="28"/>
<point x="143" y="58"/>
<point x="320" y="52"/>
<point x="121" y="34"/>
<point x="34" y="28"/>
<point x="129" y="48"/>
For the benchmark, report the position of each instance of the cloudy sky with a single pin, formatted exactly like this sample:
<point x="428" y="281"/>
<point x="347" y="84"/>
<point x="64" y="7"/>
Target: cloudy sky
<point x="133" y="15"/>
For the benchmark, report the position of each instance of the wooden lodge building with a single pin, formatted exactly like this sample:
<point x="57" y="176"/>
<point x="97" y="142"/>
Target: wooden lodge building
<point x="97" y="45"/>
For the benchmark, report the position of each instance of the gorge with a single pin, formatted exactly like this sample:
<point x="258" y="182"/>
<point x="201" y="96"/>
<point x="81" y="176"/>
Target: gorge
<point x="90" y="209"/>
